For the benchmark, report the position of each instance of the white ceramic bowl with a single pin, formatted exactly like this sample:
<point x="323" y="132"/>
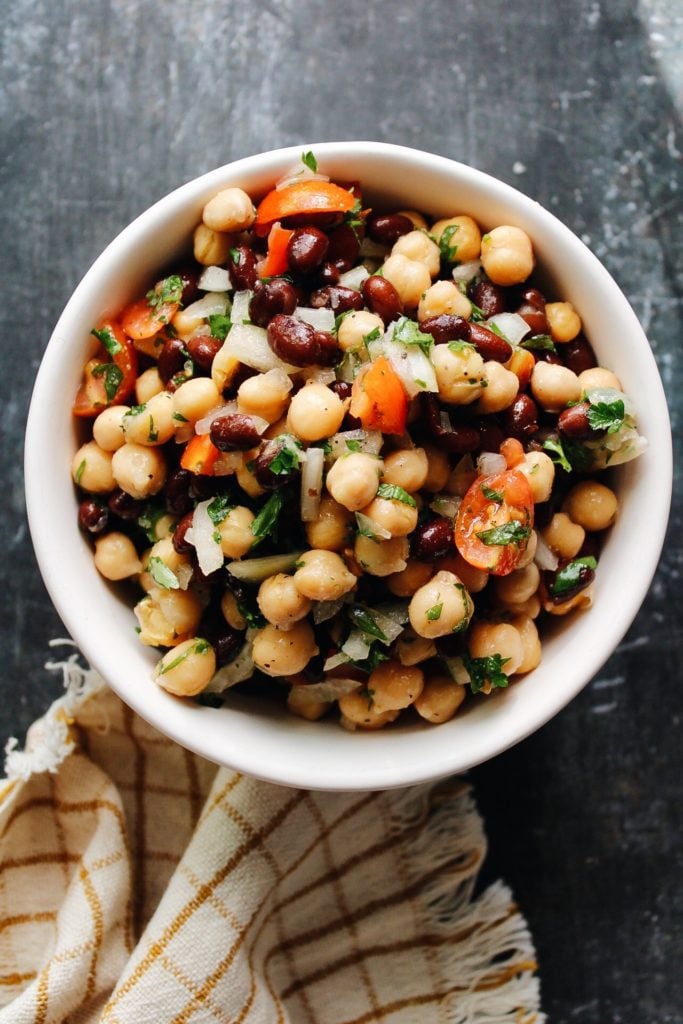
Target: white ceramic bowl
<point x="261" y="740"/>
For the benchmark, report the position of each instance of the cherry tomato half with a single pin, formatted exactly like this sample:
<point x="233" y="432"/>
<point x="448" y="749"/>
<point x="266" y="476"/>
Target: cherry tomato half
<point x="494" y="522"/>
<point x="109" y="377"/>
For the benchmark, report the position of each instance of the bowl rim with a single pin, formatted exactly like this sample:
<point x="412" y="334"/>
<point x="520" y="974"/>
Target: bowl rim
<point x="170" y="715"/>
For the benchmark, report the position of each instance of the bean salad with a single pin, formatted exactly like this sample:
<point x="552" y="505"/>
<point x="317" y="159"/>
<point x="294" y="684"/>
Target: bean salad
<point x="348" y="455"/>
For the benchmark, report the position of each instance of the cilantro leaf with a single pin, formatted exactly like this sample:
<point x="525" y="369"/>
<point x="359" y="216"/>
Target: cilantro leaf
<point x="148" y="519"/>
<point x="495" y="329"/>
<point x="571" y="574"/>
<point x="252" y="615"/>
<point x="513" y="532"/>
<point x="219" y="509"/>
<point x="492" y="495"/>
<point x="286" y="460"/>
<point x="461" y="346"/>
<point x="265" y="522"/>
<point x="607" y="416"/>
<point x="81" y="469"/>
<point x="309" y="160"/>
<point x="375" y="656"/>
<point x="200" y="646"/>
<point x="392" y="492"/>
<point x="161" y="574"/>
<point x="570" y="455"/>
<point x="219" y="325"/>
<point x="106" y="338"/>
<point x="373" y="335"/>
<point x="153" y="434"/>
<point x="369" y="695"/>
<point x="113" y="377"/>
<point x="168" y="290"/>
<point x="538" y="343"/>
<point x="486" y="670"/>
<point x="477" y="314"/>
<point x="353" y="218"/>
<point x="434" y="612"/>
<point x="354" y="446"/>
<point x="408" y="333"/>
<point x="364" y="620"/>
<point x="447" y="250"/>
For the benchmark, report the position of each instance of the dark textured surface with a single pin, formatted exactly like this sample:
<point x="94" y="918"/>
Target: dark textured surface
<point x="108" y="105"/>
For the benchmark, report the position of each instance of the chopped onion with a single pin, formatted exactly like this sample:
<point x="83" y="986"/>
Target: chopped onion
<point x="312" y="484"/>
<point x="240" y="306"/>
<point x="357" y="646"/>
<point x="466" y="271"/>
<point x="354" y="278"/>
<point x="608" y="396"/>
<point x="321" y="319"/>
<point x="256" y="570"/>
<point x="446" y="505"/>
<point x="370" y="442"/>
<point x="409" y="363"/>
<point x="249" y="344"/>
<point x="202" y="536"/>
<point x="456" y="667"/>
<point x="324" y="610"/>
<point x="214" y="279"/>
<point x="210" y="304"/>
<point x="329" y="689"/>
<point x="490" y="463"/>
<point x="184" y="574"/>
<point x="373" y="250"/>
<point x="335" y="660"/>
<point x="369" y="528"/>
<point x="183" y="432"/>
<point x="319" y="375"/>
<point x="299" y="172"/>
<point x="544" y="557"/>
<point x="228" y="463"/>
<point x="240" y="668"/>
<point x="391" y="621"/>
<point x="511" y="325"/>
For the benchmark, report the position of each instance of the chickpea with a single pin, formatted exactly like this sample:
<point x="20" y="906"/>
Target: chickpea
<point x="235" y="532"/>
<point x="231" y="209"/>
<point x="315" y="412"/>
<point x="275" y="429"/>
<point x="507" y="255"/>
<point x="394" y="686"/>
<point x="281" y="602"/>
<point x="438" y="469"/>
<point x="563" y="320"/>
<point x="195" y="398"/>
<point x="592" y="505"/>
<point x="444" y="297"/>
<point x="116" y="557"/>
<point x="107" y="430"/>
<point x="395" y="516"/>
<point x="179" y="565"/>
<point x="410" y="278"/>
<point x="151" y="424"/>
<point x="486" y="639"/>
<point x="163" y="527"/>
<point x="381" y="558"/>
<point x="412" y="649"/>
<point x="91" y="469"/>
<point x="474" y="579"/>
<point x="564" y="536"/>
<point x="440" y="607"/>
<point x="502" y="387"/>
<point x="527" y="556"/>
<point x="406" y="468"/>
<point x="148" y="384"/>
<point x="460" y="373"/>
<point x="323" y="576"/>
<point x="188" y="668"/>
<point x="358" y="712"/>
<point x="599" y="377"/>
<point x="305" y="707"/>
<point x="284" y="652"/>
<point x="353" y="480"/>
<point x="519" y="585"/>
<point x="531" y="607"/>
<point x="440" y="699"/>
<point x="166" y="617"/>
<point x="355" y="327"/>
<point x="539" y="469"/>
<point x="531" y="644"/>
<point x="330" y="531"/>
<point x="414" y="576"/>
<point x="139" y="470"/>
<point x="417" y="219"/>
<point x="245" y="477"/>
<point x="418" y="246"/>
<point x="265" y="395"/>
<point x="231" y="613"/>
<point x="186" y="322"/>
<point x="554" y="386"/>
<point x="223" y="368"/>
<point x="466" y="239"/>
<point x="211" y="247"/>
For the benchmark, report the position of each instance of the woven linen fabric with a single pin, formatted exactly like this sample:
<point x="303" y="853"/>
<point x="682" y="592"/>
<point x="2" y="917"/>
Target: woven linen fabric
<point x="139" y="883"/>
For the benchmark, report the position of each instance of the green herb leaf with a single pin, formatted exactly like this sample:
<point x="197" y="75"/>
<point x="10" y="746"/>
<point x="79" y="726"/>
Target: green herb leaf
<point x="461" y="346"/>
<point x="567" y="577"/>
<point x="266" y="521"/>
<point x="492" y="495"/>
<point x="607" y="416"/>
<point x="309" y="160"/>
<point x="219" y="325"/>
<point x="153" y="434"/>
<point x="286" y="460"/>
<point x="168" y="290"/>
<point x="112" y="378"/>
<point x="372" y="335"/>
<point x="513" y="532"/>
<point x="434" y="612"/>
<point x="447" y="250"/>
<point x="477" y="314"/>
<point x="148" y="520"/>
<point x="354" y="446"/>
<point x="198" y="647"/>
<point x="570" y="455"/>
<point x="135" y="410"/>
<point x="408" y="333"/>
<point x="375" y="657"/>
<point x="496" y="330"/>
<point x="538" y="343"/>
<point x="353" y="218"/>
<point x="81" y="469"/>
<point x="219" y="509"/>
<point x="161" y="574"/>
<point x="486" y="670"/>
<point x="252" y="614"/>
<point x="368" y="694"/>
<point x="179" y="417"/>
<point x="106" y="337"/>
<point x="392" y="492"/>
<point x="364" y="620"/>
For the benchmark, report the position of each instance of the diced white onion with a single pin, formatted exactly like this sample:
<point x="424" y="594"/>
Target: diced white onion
<point x="369" y="527"/>
<point x="371" y="249"/>
<point x="608" y="396"/>
<point x="324" y="610"/>
<point x="210" y="304"/>
<point x="390" y="624"/>
<point x="258" y="569"/>
<point x="511" y="325"/>
<point x="299" y="172"/>
<point x="184" y="575"/>
<point x="490" y="463"/>
<point x="357" y="645"/>
<point x="354" y="278"/>
<point x="228" y="463"/>
<point x="203" y="426"/>
<point x="329" y="689"/>
<point x="544" y="557"/>
<point x="466" y="271"/>
<point x="370" y="442"/>
<point x="446" y="505"/>
<point x="312" y="484"/>
<point x="240" y="306"/>
<point x="201" y="535"/>
<point x="629" y="451"/>
<point x="408" y="361"/>
<point x="249" y="344"/>
<point x="335" y="660"/>
<point x="321" y="319"/>
<point x="240" y="668"/>
<point x="319" y="375"/>
<point x="459" y="673"/>
<point x="214" y="279"/>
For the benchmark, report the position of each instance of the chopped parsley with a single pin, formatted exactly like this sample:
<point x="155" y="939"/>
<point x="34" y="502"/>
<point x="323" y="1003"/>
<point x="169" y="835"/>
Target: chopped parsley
<point x="135" y="410"/>
<point x="495" y="329"/>
<point x="607" y="416"/>
<point x="353" y="218"/>
<point x="513" y="532"/>
<point x="539" y="343"/>
<point x="161" y="574"/>
<point x="354" y="446"/>
<point x="375" y="656"/>
<point x="219" y="508"/>
<point x="570" y="454"/>
<point x="80" y="471"/>
<point x="492" y="495"/>
<point x="447" y="250"/>
<point x="392" y="492"/>
<point x="252" y="615"/>
<point x="153" y="434"/>
<point x="265" y="522"/>
<point x="286" y="460"/>
<point x="434" y="612"/>
<point x="461" y="346"/>
<point x="148" y="520"/>
<point x="234" y="255"/>
<point x="198" y="647"/>
<point x="113" y="376"/>
<point x="486" y="670"/>
<point x="107" y="339"/>
<point x="180" y="418"/>
<point x="168" y="290"/>
<point x="219" y="325"/>
<point x="364" y="620"/>
<point x="309" y="160"/>
<point x="373" y="335"/>
<point x="568" y="577"/>
<point x="368" y="694"/>
<point x="477" y="314"/>
<point x="408" y="333"/>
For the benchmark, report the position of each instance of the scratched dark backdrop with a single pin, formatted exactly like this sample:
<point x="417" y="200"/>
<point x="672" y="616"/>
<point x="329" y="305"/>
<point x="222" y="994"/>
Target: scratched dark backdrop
<point x="109" y="104"/>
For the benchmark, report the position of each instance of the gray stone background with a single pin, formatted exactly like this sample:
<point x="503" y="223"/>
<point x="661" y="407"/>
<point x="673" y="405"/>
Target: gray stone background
<point x="109" y="104"/>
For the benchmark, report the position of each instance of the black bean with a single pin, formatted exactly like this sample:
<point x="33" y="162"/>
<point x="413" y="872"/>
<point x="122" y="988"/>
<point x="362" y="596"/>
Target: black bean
<point x="177" y="492"/>
<point x="535" y="318"/>
<point x="329" y="273"/>
<point x="306" y="249"/>
<point x="573" y="422"/>
<point x="578" y="354"/>
<point x="491" y="435"/>
<point x="226" y="643"/>
<point x="190" y="277"/>
<point x="234" y="431"/>
<point x="382" y="298"/>
<point x="489" y="297"/>
<point x="457" y="438"/>
<point x="327" y="348"/>
<point x="337" y="298"/>
<point x="123" y="506"/>
<point x="242" y="267"/>
<point x="432" y="539"/>
<point x="344" y="246"/>
<point x="533" y="297"/>
<point x="386" y="228"/>
<point x="271" y="298"/>
<point x="520" y="419"/>
<point x="341" y="388"/>
<point x="293" y="340"/>
<point x="182" y="546"/>
<point x="92" y="517"/>
<point x="202" y="349"/>
<point x="172" y="359"/>
<point x="446" y="327"/>
<point x="490" y="345"/>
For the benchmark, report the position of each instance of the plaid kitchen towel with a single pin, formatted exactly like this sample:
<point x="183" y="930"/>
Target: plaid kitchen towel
<point x="139" y="884"/>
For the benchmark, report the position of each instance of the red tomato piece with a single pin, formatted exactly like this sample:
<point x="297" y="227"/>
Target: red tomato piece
<point x="494" y="522"/>
<point x="302" y="197"/>
<point x="275" y="262"/>
<point x="109" y="377"/>
<point x="146" y="317"/>
<point x="378" y="398"/>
